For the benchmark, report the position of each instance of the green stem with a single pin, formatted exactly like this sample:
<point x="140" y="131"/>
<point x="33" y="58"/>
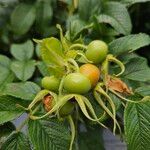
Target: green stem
<point x="72" y="131"/>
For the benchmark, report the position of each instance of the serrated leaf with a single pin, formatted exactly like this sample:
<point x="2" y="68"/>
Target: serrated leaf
<point x="52" y="54"/>
<point x="91" y="139"/>
<point x="110" y="20"/>
<point x="23" y="69"/>
<point x="54" y="135"/>
<point x="8" y="108"/>
<point x="51" y="51"/>
<point x="22" y="18"/>
<point x="137" y="125"/>
<point x="117" y="15"/>
<point x="131" y="2"/>
<point x="22" y="51"/>
<point x="6" y="75"/>
<point x="129" y="43"/>
<point x="16" y="141"/>
<point x="144" y="90"/>
<point x="26" y="91"/>
<point x="137" y="69"/>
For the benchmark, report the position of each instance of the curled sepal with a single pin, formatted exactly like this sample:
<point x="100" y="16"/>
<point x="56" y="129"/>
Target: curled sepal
<point x="83" y="58"/>
<point x="60" y="102"/>
<point x="75" y="65"/>
<point x="100" y="90"/>
<point x="62" y="38"/>
<point x="146" y="98"/>
<point x="89" y="106"/>
<point x="72" y="126"/>
<point x="83" y="108"/>
<point x="111" y="58"/>
<point x="102" y="104"/>
<point x="38" y="97"/>
<point x="78" y="46"/>
<point x="104" y="70"/>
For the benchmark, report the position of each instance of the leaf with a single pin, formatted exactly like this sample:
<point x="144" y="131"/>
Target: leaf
<point x="91" y="139"/>
<point x="16" y="141"/>
<point x="52" y="54"/>
<point x="137" y="125"/>
<point x="22" y="51"/>
<point x="6" y="75"/>
<point x="88" y="8"/>
<point x="23" y="69"/>
<point x="129" y="43"/>
<point x="51" y="51"/>
<point x="76" y="27"/>
<point x="44" y="14"/>
<point x="22" y="18"/>
<point x="144" y="90"/>
<point x="43" y="68"/>
<point x="54" y="135"/>
<point x="117" y="16"/>
<point x="131" y="2"/>
<point x="25" y="91"/>
<point x="110" y="20"/>
<point x="5" y="129"/>
<point x="137" y="69"/>
<point x="8" y="109"/>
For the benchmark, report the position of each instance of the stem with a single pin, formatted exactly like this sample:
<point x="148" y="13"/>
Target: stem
<point x="72" y="131"/>
<point x="81" y="46"/>
<point x="61" y="86"/>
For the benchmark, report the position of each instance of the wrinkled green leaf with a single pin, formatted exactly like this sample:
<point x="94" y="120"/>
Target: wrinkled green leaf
<point x="23" y="69"/>
<point x="129" y="43"/>
<point x="137" y="125"/>
<point x="22" y="51"/>
<point x="117" y="16"/>
<point x="54" y="135"/>
<point x="8" y="108"/>
<point x="144" y="90"/>
<point x="6" y="75"/>
<point x="22" y="18"/>
<point x="26" y="91"/>
<point x="137" y="69"/>
<point x="16" y="141"/>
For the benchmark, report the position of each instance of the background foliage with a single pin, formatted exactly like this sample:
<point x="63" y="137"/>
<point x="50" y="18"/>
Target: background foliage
<point x="124" y="24"/>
